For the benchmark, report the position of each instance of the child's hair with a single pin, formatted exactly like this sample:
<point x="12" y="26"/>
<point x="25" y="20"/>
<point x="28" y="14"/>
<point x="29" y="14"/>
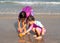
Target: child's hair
<point x="22" y="14"/>
<point x="30" y="18"/>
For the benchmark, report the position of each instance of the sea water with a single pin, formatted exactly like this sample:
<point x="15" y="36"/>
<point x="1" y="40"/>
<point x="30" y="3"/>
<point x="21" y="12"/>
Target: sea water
<point x="39" y="6"/>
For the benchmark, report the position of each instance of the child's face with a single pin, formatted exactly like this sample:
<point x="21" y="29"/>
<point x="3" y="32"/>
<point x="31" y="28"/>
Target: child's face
<point x="23" y="19"/>
<point x="30" y="22"/>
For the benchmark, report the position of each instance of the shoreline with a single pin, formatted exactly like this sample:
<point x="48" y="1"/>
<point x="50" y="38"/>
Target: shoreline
<point x="15" y="16"/>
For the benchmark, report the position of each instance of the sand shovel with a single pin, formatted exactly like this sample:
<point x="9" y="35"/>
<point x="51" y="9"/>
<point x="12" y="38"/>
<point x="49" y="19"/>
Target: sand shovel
<point x="20" y="35"/>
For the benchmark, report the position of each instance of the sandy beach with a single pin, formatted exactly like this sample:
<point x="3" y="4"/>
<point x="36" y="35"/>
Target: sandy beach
<point x="8" y="26"/>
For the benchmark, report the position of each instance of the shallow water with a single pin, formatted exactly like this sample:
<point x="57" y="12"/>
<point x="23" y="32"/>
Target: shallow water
<point x="14" y="8"/>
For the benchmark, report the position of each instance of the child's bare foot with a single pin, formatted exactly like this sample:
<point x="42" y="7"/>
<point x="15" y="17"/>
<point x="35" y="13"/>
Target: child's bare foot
<point x="40" y="37"/>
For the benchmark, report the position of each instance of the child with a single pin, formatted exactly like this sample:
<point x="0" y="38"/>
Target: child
<point x="21" y="20"/>
<point x="25" y="12"/>
<point x="28" y="10"/>
<point x="36" y="27"/>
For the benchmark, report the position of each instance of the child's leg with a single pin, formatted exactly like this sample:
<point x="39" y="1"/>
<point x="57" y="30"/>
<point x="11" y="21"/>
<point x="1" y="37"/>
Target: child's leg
<point x="38" y="31"/>
<point x="43" y="31"/>
<point x="34" y="32"/>
<point x="23" y="26"/>
<point x="33" y="29"/>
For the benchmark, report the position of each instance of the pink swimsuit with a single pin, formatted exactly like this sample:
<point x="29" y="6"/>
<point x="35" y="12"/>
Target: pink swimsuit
<point x="28" y="10"/>
<point x="37" y="25"/>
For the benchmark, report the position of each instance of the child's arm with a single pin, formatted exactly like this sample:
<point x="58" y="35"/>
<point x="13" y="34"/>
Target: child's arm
<point x="18" y="23"/>
<point x="19" y="28"/>
<point x="30" y="28"/>
<point x="24" y="27"/>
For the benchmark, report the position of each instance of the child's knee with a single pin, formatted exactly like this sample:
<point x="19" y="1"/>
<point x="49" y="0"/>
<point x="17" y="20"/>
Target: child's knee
<point x="33" y="29"/>
<point x="38" y="29"/>
<point x="44" y="31"/>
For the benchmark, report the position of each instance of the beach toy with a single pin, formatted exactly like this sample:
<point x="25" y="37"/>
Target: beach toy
<point x="20" y="35"/>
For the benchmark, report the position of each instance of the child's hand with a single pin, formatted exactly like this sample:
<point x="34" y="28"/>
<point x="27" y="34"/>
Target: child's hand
<point x="23" y="33"/>
<point x="19" y="30"/>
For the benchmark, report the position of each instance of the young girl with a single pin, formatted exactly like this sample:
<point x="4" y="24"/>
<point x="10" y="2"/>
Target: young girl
<point x="21" y="20"/>
<point x="25" y="12"/>
<point x="36" y="27"/>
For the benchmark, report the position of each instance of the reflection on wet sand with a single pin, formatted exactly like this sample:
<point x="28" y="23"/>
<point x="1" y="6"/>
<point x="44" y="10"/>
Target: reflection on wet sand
<point x="29" y="39"/>
<point x="8" y="27"/>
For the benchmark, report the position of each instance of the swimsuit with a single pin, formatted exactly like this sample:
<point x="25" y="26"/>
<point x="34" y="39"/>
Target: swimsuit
<point x="37" y="24"/>
<point x="28" y="10"/>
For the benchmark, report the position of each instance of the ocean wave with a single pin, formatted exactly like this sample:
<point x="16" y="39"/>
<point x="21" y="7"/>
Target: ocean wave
<point x="10" y="13"/>
<point x="17" y="2"/>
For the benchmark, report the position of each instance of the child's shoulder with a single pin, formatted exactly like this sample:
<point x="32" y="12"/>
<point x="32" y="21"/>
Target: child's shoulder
<point x="37" y="22"/>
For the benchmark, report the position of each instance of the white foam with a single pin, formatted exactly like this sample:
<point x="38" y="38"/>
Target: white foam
<point x="17" y="2"/>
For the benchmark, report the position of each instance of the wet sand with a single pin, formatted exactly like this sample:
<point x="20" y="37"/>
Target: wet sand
<point x="8" y="27"/>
